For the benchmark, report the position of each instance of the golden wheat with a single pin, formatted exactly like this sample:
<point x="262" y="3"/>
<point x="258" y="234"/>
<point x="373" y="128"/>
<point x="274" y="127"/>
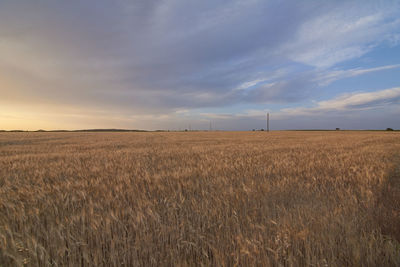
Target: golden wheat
<point x="203" y="199"/>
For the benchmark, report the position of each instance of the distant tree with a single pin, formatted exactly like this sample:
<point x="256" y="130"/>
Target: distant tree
<point x="389" y="129"/>
<point x="337" y="129"/>
<point x="262" y="130"/>
<point x="254" y="130"/>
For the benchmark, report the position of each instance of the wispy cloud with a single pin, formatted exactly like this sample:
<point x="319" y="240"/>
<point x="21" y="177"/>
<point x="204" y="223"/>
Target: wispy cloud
<point x="347" y="31"/>
<point x="349" y="103"/>
<point x="328" y="77"/>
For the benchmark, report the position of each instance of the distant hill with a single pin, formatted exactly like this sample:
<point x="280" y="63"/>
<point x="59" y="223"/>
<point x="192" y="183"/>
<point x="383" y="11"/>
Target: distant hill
<point x="108" y="130"/>
<point x="82" y="130"/>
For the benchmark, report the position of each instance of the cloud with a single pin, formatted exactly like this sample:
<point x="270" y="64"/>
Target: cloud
<point x="347" y="31"/>
<point x="348" y="111"/>
<point x="139" y="58"/>
<point x="262" y="78"/>
<point x="350" y="102"/>
<point x="326" y="78"/>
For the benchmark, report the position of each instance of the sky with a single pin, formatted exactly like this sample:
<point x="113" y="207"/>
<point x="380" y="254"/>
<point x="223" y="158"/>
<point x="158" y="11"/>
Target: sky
<point x="180" y="64"/>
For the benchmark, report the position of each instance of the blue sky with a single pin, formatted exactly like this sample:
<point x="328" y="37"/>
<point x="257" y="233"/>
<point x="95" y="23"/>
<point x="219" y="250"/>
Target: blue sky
<point x="170" y="64"/>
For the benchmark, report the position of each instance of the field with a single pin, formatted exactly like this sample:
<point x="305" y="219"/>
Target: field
<point x="200" y="199"/>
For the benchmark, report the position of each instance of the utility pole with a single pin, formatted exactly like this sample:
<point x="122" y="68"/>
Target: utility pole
<point x="210" y="127"/>
<point x="267" y="122"/>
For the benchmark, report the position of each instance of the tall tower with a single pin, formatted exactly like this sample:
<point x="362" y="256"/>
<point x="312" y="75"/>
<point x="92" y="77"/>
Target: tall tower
<point x="267" y="122"/>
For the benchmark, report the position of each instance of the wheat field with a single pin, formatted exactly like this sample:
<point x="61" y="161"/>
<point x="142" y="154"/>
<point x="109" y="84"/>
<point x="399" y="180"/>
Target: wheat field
<point x="200" y="199"/>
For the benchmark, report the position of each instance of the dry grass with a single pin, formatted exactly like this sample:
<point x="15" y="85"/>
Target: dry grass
<point x="184" y="199"/>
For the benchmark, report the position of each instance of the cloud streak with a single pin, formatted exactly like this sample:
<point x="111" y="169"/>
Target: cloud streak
<point x="349" y="103"/>
<point x="328" y="77"/>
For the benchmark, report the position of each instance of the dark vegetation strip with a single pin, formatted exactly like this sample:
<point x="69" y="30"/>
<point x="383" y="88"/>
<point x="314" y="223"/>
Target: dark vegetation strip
<point x="387" y="212"/>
